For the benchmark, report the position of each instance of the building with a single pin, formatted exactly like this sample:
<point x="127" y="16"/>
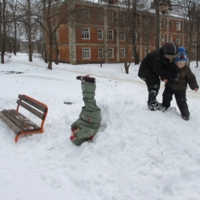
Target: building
<point x="98" y="34"/>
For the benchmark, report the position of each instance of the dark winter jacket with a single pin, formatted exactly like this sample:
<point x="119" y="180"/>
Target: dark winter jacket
<point x="155" y="65"/>
<point x="185" y="77"/>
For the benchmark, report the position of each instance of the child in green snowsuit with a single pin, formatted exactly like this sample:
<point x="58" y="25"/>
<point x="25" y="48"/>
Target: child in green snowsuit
<point x="84" y="128"/>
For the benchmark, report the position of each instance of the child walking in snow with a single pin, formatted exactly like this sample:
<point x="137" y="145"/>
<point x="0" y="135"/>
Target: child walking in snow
<point x="84" y="128"/>
<point x="178" y="87"/>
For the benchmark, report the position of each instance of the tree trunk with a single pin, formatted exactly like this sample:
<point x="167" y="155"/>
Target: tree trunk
<point x="156" y="3"/>
<point x="136" y="55"/>
<point x="29" y="32"/>
<point x="50" y="52"/>
<point x="3" y="45"/>
<point x="15" y="39"/>
<point x="57" y="56"/>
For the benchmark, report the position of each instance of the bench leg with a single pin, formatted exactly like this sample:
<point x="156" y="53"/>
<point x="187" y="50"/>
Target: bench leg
<point x="26" y="133"/>
<point x="16" y="137"/>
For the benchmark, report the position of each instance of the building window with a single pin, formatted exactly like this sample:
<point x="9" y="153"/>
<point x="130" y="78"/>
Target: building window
<point x="162" y="38"/>
<point x="122" y="53"/>
<point x="110" y="17"/>
<point x="122" y="18"/>
<point x="162" y="23"/>
<point x="145" y="52"/>
<point x="146" y="21"/>
<point x="100" y="34"/>
<point x="132" y="54"/>
<point x="111" y="53"/>
<point x="178" y="26"/>
<point x="194" y="28"/>
<point x="178" y="40"/>
<point x="100" y="53"/>
<point x="85" y="33"/>
<point x="122" y="36"/>
<point x="187" y="40"/>
<point x="85" y="14"/>
<point x="170" y="38"/>
<point x="170" y="25"/>
<point x="146" y="37"/>
<point x="86" y="53"/>
<point x="100" y="15"/>
<point x="110" y="35"/>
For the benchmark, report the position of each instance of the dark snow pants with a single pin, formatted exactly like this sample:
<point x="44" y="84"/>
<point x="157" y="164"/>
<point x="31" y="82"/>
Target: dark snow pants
<point x="153" y="90"/>
<point x="180" y="97"/>
<point x="90" y="116"/>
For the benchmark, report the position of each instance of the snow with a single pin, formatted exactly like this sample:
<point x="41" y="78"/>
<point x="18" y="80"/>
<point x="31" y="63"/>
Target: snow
<point x="137" y="154"/>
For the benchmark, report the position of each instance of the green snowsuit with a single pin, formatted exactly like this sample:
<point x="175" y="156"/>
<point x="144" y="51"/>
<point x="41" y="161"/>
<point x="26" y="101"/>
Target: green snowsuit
<point x="90" y="116"/>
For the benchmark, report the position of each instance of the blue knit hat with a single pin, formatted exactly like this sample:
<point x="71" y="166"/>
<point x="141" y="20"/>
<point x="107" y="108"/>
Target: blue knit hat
<point x="182" y="56"/>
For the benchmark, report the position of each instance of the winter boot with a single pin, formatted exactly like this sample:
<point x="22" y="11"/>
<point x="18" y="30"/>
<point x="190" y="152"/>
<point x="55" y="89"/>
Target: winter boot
<point x="86" y="79"/>
<point x="185" y="118"/>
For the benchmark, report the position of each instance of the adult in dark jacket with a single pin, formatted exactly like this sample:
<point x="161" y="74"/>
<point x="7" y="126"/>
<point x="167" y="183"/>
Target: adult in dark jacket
<point x="87" y="125"/>
<point x="178" y="88"/>
<point x="153" y="66"/>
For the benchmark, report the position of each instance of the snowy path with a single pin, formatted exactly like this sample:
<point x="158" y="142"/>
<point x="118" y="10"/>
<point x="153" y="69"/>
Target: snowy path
<point x="136" y="155"/>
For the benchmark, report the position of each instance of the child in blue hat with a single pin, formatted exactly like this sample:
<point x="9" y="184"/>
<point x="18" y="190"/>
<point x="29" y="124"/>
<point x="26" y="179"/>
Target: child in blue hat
<point x="178" y="87"/>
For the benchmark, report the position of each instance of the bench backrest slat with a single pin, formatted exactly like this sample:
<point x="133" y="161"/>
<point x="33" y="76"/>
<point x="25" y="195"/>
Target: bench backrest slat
<point x="33" y="103"/>
<point x="31" y="109"/>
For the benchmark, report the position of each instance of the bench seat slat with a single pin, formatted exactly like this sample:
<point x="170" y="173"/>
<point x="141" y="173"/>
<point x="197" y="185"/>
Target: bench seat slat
<point x="20" y="120"/>
<point x="33" y="103"/>
<point x="12" y="125"/>
<point x="31" y="109"/>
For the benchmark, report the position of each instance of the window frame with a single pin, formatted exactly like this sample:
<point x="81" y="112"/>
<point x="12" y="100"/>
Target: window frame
<point x="85" y="38"/>
<point x="162" y="38"/>
<point x="112" y="53"/>
<point x="100" y="15"/>
<point x="123" y="54"/>
<point x="170" y="25"/>
<point x="85" y="14"/>
<point x="146" y="52"/>
<point x="110" y="16"/>
<point x="178" y="40"/>
<point x="110" y="35"/>
<point x="178" y="26"/>
<point x="122" y="36"/>
<point x="86" y="48"/>
<point x="99" y="34"/>
<point x="101" y="53"/>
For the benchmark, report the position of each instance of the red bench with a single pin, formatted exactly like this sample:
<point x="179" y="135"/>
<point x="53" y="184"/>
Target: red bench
<point x="20" y="124"/>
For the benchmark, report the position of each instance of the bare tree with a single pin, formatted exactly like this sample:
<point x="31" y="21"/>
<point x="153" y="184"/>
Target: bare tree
<point x="147" y="28"/>
<point x="190" y="10"/>
<point x="54" y="13"/>
<point x="197" y="35"/>
<point x="26" y="15"/>
<point x="3" y="27"/>
<point x="131" y="29"/>
<point x="14" y="19"/>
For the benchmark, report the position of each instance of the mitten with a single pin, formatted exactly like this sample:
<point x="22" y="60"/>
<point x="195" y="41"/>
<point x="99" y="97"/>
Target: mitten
<point x="73" y="136"/>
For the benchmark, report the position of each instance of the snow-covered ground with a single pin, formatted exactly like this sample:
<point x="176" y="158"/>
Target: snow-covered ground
<point x="136" y="155"/>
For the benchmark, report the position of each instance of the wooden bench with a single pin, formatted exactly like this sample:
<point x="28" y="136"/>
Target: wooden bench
<point x="18" y="122"/>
